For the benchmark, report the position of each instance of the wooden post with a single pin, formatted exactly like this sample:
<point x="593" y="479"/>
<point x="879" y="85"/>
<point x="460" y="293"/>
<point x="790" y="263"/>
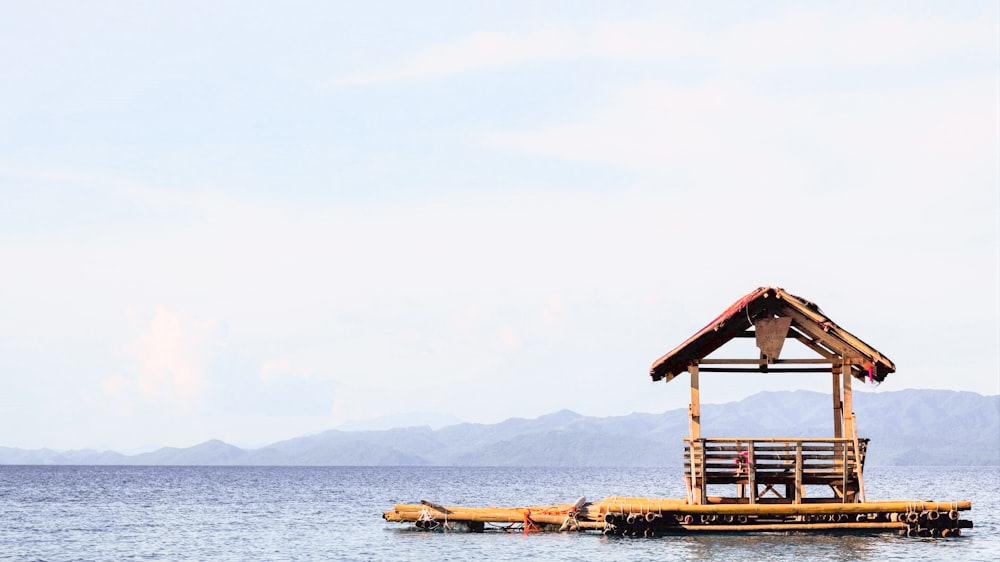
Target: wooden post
<point x="844" y="468"/>
<point x="838" y="408"/>
<point x="752" y="472"/>
<point x="857" y="462"/>
<point x="849" y="429"/>
<point x="851" y="432"/>
<point x="702" y="476"/>
<point x="694" y="409"/>
<point x="799" y="490"/>
<point x="689" y="477"/>
<point x="848" y="407"/>
<point x="742" y="471"/>
<point x="694" y="424"/>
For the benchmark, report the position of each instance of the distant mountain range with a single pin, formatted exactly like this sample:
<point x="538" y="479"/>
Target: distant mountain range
<point x="907" y="427"/>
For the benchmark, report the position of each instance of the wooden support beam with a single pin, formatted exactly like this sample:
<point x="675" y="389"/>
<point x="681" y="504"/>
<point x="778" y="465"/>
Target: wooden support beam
<point x="694" y="409"/>
<point x="824" y="361"/>
<point x="768" y="371"/>
<point x="851" y="431"/>
<point x="844" y="469"/>
<point x="812" y="344"/>
<point x="751" y="334"/>
<point x="857" y="462"/>
<point x="694" y="427"/>
<point x="828" y="339"/>
<point x="799" y="489"/>
<point x="838" y="408"/>
<point x="776" y="439"/>
<point x="702" y="477"/>
<point x="847" y="406"/>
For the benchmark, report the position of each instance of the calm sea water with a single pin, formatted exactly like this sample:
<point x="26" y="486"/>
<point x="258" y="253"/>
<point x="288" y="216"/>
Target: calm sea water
<point x="334" y="513"/>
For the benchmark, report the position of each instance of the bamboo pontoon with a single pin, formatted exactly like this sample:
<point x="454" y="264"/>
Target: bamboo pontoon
<point x="629" y="516"/>
<point x="770" y="474"/>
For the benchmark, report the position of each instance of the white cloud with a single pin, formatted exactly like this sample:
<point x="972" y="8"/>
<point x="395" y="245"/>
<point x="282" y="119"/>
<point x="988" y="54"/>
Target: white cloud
<point x="117" y="395"/>
<point x="172" y="356"/>
<point x="75" y="177"/>
<point x="477" y="296"/>
<point x="717" y="132"/>
<point x="510" y="338"/>
<point x="477" y="50"/>
<point x="272" y="371"/>
<point x="796" y="40"/>
<point x="275" y="370"/>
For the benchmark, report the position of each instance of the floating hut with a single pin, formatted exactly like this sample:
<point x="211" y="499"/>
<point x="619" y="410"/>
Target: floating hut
<point x="744" y="484"/>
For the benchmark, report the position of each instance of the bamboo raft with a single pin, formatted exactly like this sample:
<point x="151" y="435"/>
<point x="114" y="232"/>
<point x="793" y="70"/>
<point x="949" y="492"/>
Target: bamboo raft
<point x="650" y="517"/>
<point x="775" y="479"/>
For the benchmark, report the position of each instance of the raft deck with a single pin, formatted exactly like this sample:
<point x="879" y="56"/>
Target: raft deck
<point x="649" y="517"/>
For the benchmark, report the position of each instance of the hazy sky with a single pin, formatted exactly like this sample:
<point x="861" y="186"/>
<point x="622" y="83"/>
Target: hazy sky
<point x="251" y="221"/>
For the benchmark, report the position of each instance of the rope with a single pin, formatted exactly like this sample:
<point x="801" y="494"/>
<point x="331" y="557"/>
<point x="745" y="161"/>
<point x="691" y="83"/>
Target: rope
<point x="529" y="525"/>
<point x="426" y="517"/>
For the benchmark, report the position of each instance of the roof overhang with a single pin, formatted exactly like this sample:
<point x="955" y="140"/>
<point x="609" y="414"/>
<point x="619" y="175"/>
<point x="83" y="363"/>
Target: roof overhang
<point x="808" y="324"/>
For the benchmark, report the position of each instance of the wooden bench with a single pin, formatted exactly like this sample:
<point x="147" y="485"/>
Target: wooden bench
<point x="777" y="466"/>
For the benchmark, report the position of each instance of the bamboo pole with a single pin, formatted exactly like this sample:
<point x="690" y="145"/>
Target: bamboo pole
<point x="492" y="516"/>
<point x="618" y="509"/>
<point x="404" y="513"/>
<point x="619" y="504"/>
<point x="894" y="506"/>
<point x="794" y="527"/>
<point x="561" y="509"/>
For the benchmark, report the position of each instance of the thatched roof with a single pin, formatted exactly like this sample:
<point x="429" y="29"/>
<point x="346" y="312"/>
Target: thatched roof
<point x="808" y="324"/>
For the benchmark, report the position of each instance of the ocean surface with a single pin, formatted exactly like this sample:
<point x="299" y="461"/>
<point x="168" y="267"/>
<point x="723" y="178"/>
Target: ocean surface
<point x="334" y="513"/>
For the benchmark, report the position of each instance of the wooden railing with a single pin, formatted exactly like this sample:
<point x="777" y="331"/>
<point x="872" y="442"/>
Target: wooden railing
<point x="760" y="466"/>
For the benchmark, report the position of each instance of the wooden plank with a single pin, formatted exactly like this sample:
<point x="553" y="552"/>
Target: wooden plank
<point x="775" y="439"/>
<point x="791" y="335"/>
<point x="769" y="370"/>
<point x="847" y="401"/>
<point x="799" y="489"/>
<point x="702" y="490"/>
<point x="838" y="412"/>
<point x="812" y="343"/>
<point x="789" y="458"/>
<point x="828" y="339"/>
<point x="731" y="462"/>
<point x="852" y="432"/>
<point x="827" y="361"/>
<point x="845" y="468"/>
<point x="859" y="470"/>
<point x="687" y="479"/>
